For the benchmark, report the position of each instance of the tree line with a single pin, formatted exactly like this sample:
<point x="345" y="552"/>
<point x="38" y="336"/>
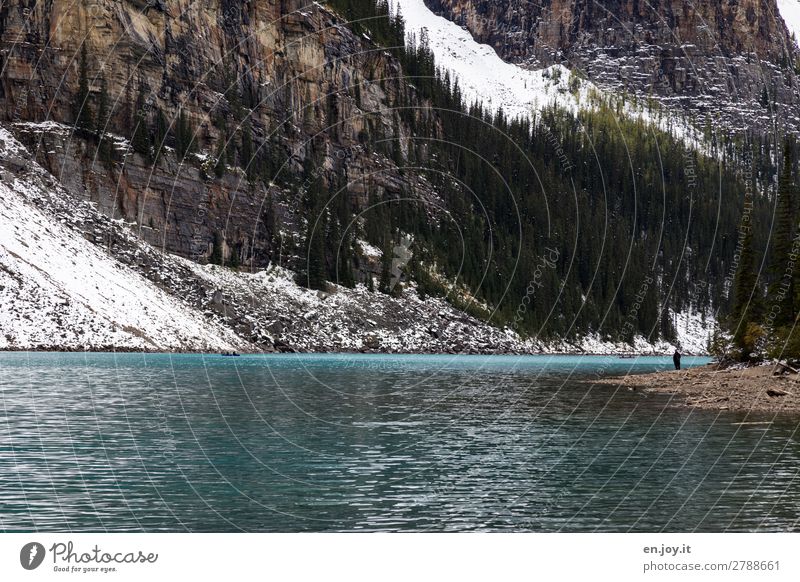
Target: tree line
<point x="644" y="225"/>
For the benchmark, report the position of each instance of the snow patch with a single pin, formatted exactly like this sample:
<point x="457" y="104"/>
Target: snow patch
<point x="484" y="77"/>
<point x="57" y="289"/>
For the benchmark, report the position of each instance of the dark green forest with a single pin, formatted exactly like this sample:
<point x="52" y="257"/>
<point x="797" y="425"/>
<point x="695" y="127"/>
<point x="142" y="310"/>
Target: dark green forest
<point x="641" y="223"/>
<point x="765" y="299"/>
<point x="557" y="226"/>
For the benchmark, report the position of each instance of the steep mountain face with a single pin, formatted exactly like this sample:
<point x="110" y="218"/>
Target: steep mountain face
<point x="70" y="279"/>
<point x="275" y="133"/>
<point x="718" y="60"/>
<point x="276" y="83"/>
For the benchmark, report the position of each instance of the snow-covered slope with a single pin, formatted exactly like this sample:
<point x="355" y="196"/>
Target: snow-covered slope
<point x="790" y="11"/>
<point x="483" y="76"/>
<point x="692" y="330"/>
<point x="57" y="289"/>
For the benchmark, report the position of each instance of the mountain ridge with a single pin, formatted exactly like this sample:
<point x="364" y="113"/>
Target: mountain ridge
<point x="289" y="137"/>
<point x="713" y="60"/>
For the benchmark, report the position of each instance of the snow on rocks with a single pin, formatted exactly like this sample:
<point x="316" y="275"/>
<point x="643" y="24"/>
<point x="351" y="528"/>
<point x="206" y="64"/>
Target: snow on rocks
<point x="59" y="290"/>
<point x="484" y="77"/>
<point x="344" y="319"/>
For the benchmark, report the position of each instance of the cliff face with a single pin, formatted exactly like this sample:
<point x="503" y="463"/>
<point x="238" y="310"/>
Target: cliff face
<point x="286" y="71"/>
<point x="719" y="59"/>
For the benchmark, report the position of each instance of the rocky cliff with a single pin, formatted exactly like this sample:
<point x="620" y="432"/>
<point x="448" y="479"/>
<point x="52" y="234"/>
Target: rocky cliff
<point x="226" y="132"/>
<point x="732" y="62"/>
<point x="282" y="74"/>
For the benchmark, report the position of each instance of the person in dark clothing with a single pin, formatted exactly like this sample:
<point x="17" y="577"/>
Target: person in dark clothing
<point x="676" y="359"/>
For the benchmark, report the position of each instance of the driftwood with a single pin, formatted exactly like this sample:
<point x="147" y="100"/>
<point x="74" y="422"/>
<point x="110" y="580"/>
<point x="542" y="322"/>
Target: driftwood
<point x="773" y="392"/>
<point x="709" y="399"/>
<point x="782" y="368"/>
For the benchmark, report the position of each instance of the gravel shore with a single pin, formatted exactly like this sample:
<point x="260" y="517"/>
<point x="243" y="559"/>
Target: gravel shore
<point x="754" y="389"/>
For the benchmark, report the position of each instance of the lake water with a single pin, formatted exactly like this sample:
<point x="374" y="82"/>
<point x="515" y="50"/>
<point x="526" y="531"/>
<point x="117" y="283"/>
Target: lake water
<point x="369" y="442"/>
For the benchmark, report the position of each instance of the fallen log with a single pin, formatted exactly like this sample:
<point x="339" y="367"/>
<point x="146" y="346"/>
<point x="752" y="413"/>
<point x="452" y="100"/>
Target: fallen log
<point x="709" y="399"/>
<point x="782" y="368"/>
<point x="775" y="392"/>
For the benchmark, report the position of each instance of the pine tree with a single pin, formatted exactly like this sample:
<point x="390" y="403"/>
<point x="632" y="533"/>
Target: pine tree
<point x="233" y="260"/>
<point x="385" y="282"/>
<point x="82" y="110"/>
<point x="219" y="164"/>
<point x="315" y="270"/>
<point x="216" y="250"/>
<point x="270" y="222"/>
<point x="102" y="106"/>
<point x="184" y="135"/>
<point x="140" y="141"/>
<point x="781" y="291"/>
<point x="126" y="114"/>
<point x="104" y="152"/>
<point x="246" y="153"/>
<point x="160" y="133"/>
<point x="315" y="253"/>
<point x="746" y="295"/>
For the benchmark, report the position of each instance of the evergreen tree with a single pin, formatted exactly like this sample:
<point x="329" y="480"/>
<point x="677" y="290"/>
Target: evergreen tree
<point x="184" y="136"/>
<point x="385" y="282"/>
<point x="104" y="152"/>
<point x="126" y="114"/>
<point x="82" y="110"/>
<point x="160" y="133"/>
<point x="233" y="260"/>
<point x="216" y="250"/>
<point x="315" y="271"/>
<point x="746" y="296"/>
<point x="102" y="107"/>
<point x="219" y="164"/>
<point x="246" y="161"/>
<point x="781" y="291"/>
<point x="140" y="141"/>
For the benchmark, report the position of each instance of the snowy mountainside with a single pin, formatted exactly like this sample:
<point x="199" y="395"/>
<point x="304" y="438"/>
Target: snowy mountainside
<point x="485" y="77"/>
<point x="73" y="279"/>
<point x="482" y="75"/>
<point x="58" y="290"/>
<point x="725" y="65"/>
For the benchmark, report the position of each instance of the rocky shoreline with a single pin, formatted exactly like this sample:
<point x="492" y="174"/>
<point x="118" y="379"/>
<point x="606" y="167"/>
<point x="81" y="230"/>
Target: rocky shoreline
<point x="711" y="387"/>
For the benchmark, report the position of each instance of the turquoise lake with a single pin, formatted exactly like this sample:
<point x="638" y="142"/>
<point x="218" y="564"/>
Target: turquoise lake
<point x="298" y="442"/>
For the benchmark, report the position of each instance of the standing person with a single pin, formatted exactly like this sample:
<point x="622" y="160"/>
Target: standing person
<point x="676" y="359"/>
